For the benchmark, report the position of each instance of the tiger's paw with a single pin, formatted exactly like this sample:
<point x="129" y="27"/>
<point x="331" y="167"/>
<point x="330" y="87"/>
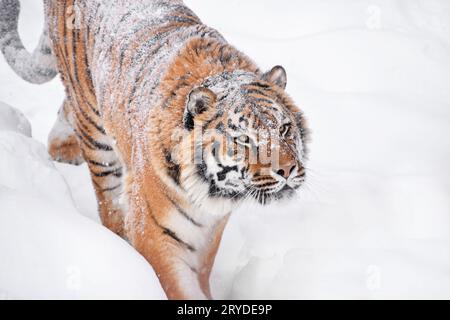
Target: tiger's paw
<point x="63" y="144"/>
<point x="66" y="150"/>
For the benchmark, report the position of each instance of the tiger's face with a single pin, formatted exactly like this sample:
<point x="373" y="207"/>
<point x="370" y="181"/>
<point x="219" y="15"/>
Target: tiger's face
<point x="249" y="137"/>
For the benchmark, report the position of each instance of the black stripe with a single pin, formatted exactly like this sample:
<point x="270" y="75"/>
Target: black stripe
<point x="220" y="127"/>
<point x="80" y="137"/>
<point x="257" y="91"/>
<point x="261" y="85"/>
<point x="184" y="214"/>
<point x="99" y="21"/>
<point x="269" y="184"/>
<point x="169" y="232"/>
<point x="222" y="175"/>
<point x="89" y="119"/>
<point x="182" y="9"/>
<point x="173" y="169"/>
<point x="257" y="178"/>
<point x="97" y="145"/>
<point x="225" y="57"/>
<point x="123" y="51"/>
<point x="179" y="19"/>
<point x="141" y="74"/>
<point x="86" y="58"/>
<point x="202" y="171"/>
<point x="232" y="126"/>
<point x="75" y="41"/>
<point x="103" y="165"/>
<point x="245" y="120"/>
<point x="153" y="40"/>
<point x="63" y="50"/>
<point x="143" y="49"/>
<point x="263" y="100"/>
<point x="174" y="236"/>
<point x="181" y="84"/>
<point x="188" y="121"/>
<point x="117" y="173"/>
<point x="111" y="189"/>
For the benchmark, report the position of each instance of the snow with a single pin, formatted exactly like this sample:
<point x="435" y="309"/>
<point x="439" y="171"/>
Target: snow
<point x="13" y="120"/>
<point x="49" y="250"/>
<point x="373" y="221"/>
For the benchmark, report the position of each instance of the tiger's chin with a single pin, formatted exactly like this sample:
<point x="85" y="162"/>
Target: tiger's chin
<point x="260" y="196"/>
<point x="265" y="198"/>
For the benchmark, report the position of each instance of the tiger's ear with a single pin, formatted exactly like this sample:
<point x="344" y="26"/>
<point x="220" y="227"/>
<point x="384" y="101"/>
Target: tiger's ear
<point x="276" y="76"/>
<point x="198" y="102"/>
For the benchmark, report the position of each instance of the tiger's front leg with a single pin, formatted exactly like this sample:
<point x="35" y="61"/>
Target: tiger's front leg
<point x="63" y="145"/>
<point x="77" y="137"/>
<point x="107" y="177"/>
<point x="106" y="174"/>
<point x="180" y="245"/>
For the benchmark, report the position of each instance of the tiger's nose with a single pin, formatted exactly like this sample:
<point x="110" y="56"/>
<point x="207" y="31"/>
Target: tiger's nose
<point x="285" y="170"/>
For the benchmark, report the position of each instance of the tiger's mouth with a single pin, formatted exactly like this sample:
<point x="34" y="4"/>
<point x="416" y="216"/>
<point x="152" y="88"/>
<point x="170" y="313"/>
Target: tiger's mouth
<point x="266" y="196"/>
<point x="263" y="195"/>
<point x="241" y="188"/>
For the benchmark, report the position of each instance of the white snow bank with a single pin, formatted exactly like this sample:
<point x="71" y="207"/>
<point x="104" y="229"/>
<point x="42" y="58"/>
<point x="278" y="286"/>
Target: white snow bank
<point x="47" y="249"/>
<point x="13" y="120"/>
<point x="52" y="252"/>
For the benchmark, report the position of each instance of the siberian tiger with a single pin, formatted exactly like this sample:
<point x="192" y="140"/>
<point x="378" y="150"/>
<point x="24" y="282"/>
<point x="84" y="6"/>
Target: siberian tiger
<point x="171" y="120"/>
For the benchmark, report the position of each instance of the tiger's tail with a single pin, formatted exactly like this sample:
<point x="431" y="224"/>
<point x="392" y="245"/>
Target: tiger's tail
<point x="38" y="67"/>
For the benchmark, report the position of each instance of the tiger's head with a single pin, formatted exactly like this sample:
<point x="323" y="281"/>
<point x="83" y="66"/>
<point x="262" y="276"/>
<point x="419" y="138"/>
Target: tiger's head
<point x="247" y="139"/>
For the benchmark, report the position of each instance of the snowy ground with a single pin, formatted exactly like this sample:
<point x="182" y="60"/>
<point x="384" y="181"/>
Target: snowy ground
<point x="373" y="77"/>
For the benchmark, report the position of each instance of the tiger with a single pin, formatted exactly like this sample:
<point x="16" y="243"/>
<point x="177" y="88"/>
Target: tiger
<point x="171" y="120"/>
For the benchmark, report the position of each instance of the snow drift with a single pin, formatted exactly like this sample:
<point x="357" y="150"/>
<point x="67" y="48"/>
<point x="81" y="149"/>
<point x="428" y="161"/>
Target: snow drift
<point x="47" y="249"/>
